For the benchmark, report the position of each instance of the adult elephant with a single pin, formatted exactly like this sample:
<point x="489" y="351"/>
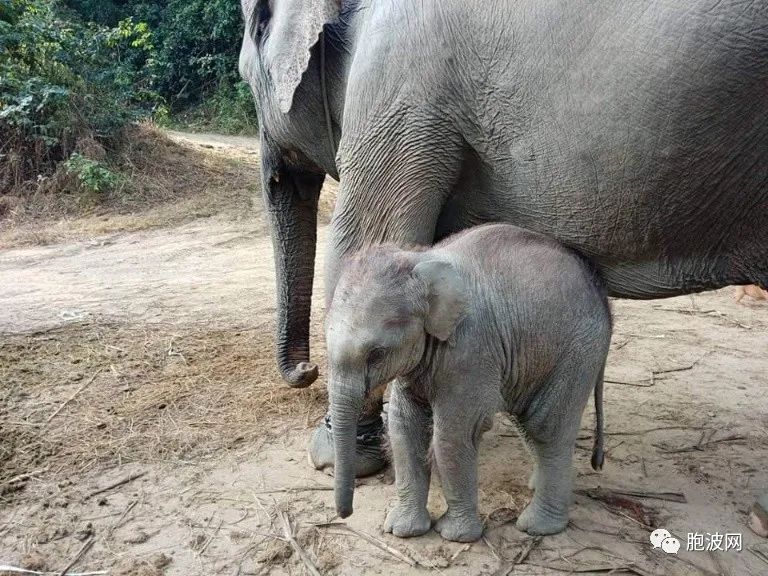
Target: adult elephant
<point x="634" y="132"/>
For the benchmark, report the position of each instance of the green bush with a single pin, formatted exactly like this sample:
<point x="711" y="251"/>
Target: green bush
<point x="62" y="79"/>
<point x="92" y="175"/>
<point x="73" y="69"/>
<point x="228" y="110"/>
<point x="197" y="42"/>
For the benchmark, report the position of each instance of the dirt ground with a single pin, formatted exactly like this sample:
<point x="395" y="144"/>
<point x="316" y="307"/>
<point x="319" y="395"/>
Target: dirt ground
<point x="142" y="423"/>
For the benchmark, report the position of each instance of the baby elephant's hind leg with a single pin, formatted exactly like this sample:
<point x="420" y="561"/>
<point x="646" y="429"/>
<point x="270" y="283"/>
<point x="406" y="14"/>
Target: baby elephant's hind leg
<point x="552" y="430"/>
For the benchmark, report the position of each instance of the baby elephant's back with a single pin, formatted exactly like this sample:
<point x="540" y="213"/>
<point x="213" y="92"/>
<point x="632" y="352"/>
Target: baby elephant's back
<point x="538" y="277"/>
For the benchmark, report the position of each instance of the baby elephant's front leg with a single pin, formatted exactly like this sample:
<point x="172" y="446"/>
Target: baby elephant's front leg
<point x="456" y="438"/>
<point x="410" y="426"/>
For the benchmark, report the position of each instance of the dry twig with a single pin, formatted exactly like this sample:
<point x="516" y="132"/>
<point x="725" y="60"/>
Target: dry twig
<point x="700" y="445"/>
<point x="371" y="540"/>
<point x="603" y="569"/>
<point x="288" y="532"/>
<point x="759" y="552"/>
<point x="125" y="480"/>
<point x="296" y="489"/>
<point x="24" y="476"/>
<point x="667" y="496"/>
<point x="17" y="570"/>
<point x="523" y="556"/>
<point x="80" y="554"/>
<point x="72" y="397"/>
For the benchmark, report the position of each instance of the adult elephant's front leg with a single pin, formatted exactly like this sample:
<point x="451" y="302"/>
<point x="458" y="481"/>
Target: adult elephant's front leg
<point x="369" y="456"/>
<point x="392" y="190"/>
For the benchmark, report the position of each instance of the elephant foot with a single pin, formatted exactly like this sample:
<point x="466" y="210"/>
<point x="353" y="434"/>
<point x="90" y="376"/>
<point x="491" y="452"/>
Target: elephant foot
<point x="460" y="527"/>
<point x="369" y="457"/>
<point x="537" y="521"/>
<point x="758" y="516"/>
<point x="404" y="521"/>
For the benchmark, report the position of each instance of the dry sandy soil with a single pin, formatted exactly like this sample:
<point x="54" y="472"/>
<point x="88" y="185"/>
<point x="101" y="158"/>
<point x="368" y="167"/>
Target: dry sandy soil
<point x="142" y="422"/>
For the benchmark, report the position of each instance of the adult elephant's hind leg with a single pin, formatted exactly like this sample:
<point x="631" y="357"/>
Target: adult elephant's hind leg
<point x="396" y="174"/>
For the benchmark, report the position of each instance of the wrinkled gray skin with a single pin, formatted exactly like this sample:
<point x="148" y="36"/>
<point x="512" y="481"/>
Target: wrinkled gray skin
<point x="633" y="132"/>
<point x="495" y="318"/>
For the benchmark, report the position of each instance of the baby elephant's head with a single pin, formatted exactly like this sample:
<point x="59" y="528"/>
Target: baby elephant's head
<point x="386" y="303"/>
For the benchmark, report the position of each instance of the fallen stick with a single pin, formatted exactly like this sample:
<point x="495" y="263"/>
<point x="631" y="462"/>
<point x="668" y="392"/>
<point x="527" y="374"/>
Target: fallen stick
<point x="648" y="430"/>
<point x="731" y="320"/>
<point x="288" y="532"/>
<point x="623" y="506"/>
<point x="80" y="554"/>
<point x="371" y="540"/>
<point x="78" y="391"/>
<point x="296" y="489"/>
<point x="602" y="569"/>
<point x="650" y="383"/>
<point x="24" y="476"/>
<point x="761" y="554"/>
<point x="210" y="538"/>
<point x="17" y="570"/>
<point x="667" y="496"/>
<point x="125" y="480"/>
<point x="685" y="310"/>
<point x="699" y="446"/>
<point x="524" y="553"/>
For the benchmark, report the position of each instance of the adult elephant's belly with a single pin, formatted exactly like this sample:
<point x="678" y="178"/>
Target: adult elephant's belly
<point x="665" y="220"/>
<point x="643" y="146"/>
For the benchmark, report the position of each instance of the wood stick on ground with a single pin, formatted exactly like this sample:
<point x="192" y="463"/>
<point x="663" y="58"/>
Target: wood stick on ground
<point x="699" y="446"/>
<point x="648" y="430"/>
<point x="524" y="553"/>
<point x="295" y="489"/>
<point x="602" y="569"/>
<point x="667" y="496"/>
<point x="371" y="540"/>
<point x="643" y="384"/>
<point x="759" y="552"/>
<point x="17" y="570"/>
<point x="24" y="476"/>
<point x="210" y="538"/>
<point x="125" y="480"/>
<point x="729" y="319"/>
<point x="74" y="395"/>
<point x="680" y="368"/>
<point x="80" y="554"/>
<point x="119" y="521"/>
<point x="288" y="532"/>
<point x="492" y="548"/>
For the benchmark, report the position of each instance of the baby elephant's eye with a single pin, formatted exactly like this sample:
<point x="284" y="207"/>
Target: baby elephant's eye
<point x="376" y="355"/>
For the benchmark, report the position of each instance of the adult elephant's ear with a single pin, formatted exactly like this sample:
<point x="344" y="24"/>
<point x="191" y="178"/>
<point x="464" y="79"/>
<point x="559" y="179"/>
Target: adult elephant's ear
<point x="287" y="30"/>
<point x="446" y="296"/>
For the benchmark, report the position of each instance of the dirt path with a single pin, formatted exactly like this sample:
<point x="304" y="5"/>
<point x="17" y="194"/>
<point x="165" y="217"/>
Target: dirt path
<point x="242" y="143"/>
<point x="168" y="333"/>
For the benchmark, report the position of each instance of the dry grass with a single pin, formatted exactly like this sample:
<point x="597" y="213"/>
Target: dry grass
<point x="164" y="183"/>
<point x="162" y="393"/>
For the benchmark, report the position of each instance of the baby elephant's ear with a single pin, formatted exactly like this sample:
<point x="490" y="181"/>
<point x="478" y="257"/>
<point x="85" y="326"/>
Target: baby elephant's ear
<point x="447" y="297"/>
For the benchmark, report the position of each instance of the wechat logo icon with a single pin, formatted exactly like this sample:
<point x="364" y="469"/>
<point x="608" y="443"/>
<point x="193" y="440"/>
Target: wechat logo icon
<point x="660" y="538"/>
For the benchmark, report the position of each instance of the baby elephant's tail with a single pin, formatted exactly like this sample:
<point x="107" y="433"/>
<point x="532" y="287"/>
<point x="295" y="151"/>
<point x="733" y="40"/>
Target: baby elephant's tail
<point x="598" y="454"/>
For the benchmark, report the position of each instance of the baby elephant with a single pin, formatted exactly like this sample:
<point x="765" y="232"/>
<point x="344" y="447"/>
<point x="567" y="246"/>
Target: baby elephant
<point x="495" y="318"/>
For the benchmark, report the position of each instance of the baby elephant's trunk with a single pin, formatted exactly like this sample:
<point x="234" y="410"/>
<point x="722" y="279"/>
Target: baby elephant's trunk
<point x="346" y="407"/>
<point x="598" y="453"/>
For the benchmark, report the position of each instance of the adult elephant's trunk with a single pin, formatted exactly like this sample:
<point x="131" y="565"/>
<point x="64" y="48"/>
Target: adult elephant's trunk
<point x="290" y="197"/>
<point x="346" y="406"/>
